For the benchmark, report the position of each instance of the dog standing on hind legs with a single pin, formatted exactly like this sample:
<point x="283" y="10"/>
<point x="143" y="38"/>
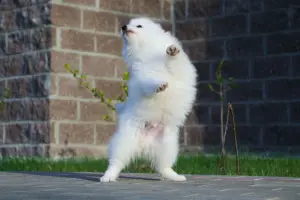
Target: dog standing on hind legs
<point x="161" y="93"/>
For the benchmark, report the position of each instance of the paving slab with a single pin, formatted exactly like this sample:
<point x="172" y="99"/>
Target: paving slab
<point x="69" y="186"/>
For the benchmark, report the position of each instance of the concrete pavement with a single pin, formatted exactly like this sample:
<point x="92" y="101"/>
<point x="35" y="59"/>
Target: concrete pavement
<point x="69" y="186"/>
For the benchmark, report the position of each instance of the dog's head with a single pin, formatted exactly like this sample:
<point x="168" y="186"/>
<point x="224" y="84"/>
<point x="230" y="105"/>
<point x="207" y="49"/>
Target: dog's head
<point x="142" y="35"/>
<point x="141" y="30"/>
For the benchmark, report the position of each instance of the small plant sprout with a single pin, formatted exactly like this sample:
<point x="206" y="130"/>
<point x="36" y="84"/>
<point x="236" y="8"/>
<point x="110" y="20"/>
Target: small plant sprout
<point x="224" y="85"/>
<point x="6" y="95"/>
<point x="100" y="94"/>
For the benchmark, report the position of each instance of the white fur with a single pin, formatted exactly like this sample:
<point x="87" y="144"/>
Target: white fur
<point x="149" y="67"/>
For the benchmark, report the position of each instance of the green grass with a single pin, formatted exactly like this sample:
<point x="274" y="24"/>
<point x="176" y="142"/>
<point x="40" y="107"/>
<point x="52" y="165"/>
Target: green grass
<point x="252" y="166"/>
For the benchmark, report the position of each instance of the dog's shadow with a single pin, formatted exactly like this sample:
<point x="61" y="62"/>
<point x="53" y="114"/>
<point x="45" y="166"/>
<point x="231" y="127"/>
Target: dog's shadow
<point x="94" y="177"/>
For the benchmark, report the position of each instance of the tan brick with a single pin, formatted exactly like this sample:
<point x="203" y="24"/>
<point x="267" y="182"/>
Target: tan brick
<point x="99" y="21"/>
<point x="18" y="134"/>
<point x="192" y="30"/>
<point x="36" y="86"/>
<point x="35" y="63"/>
<point x="26" y="109"/>
<point x="42" y="83"/>
<point x="111" y="89"/>
<point x="121" y="70"/>
<point x="34" y="13"/>
<point x="65" y="16"/>
<point x="101" y="66"/>
<point x="166" y="9"/>
<point x="39" y="110"/>
<point x="17" y="110"/>
<point x="36" y="39"/>
<point x="92" y="152"/>
<point x="81" y="2"/>
<point x="69" y="151"/>
<point x="167" y="26"/>
<point x="39" y="151"/>
<point x="14" y="63"/>
<point x="54" y="89"/>
<point x="146" y="7"/>
<point x="41" y="133"/>
<point x="1" y="134"/>
<point x="53" y="37"/>
<point x="7" y="5"/>
<point x="59" y="59"/>
<point x="70" y="87"/>
<point x="76" y="133"/>
<point x="53" y="134"/>
<point x="14" y="47"/>
<point x="118" y="5"/>
<point x="195" y="135"/>
<point x="63" y="109"/>
<point x="180" y="9"/>
<point x="4" y="64"/>
<point x="109" y="44"/>
<point x="93" y="111"/>
<point x="104" y="133"/>
<point x="42" y="38"/>
<point x="24" y="3"/>
<point x="15" y="151"/>
<point x="195" y="50"/>
<point x="61" y="151"/>
<point x="2" y="87"/>
<point x="122" y="20"/>
<point x="19" y="87"/>
<point x="9" y="20"/>
<point x="182" y="136"/>
<point x="76" y="40"/>
<point x="202" y="8"/>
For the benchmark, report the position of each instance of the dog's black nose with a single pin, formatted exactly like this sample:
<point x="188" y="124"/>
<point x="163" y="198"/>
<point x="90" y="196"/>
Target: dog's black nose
<point x="124" y="28"/>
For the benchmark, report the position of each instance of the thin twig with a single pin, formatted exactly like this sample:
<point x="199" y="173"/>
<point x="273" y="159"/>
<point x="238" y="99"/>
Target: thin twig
<point x="227" y="89"/>
<point x="217" y="93"/>
<point x="235" y="140"/>
<point x="227" y="121"/>
<point x="222" y="119"/>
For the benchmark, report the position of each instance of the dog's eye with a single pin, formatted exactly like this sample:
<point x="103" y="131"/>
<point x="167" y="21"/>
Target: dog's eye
<point x="139" y="26"/>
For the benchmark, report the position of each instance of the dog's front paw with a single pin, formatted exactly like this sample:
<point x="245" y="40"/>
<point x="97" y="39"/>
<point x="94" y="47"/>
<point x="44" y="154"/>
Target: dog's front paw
<point x="162" y="87"/>
<point x="107" y="178"/>
<point x="173" y="50"/>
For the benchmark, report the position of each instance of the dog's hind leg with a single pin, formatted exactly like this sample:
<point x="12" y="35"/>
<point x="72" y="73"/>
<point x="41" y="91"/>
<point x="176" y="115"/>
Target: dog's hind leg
<point x="121" y="149"/>
<point x="167" y="152"/>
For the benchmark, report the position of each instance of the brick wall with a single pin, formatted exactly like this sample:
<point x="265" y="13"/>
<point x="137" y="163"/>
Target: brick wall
<point x="48" y="114"/>
<point x="259" y="41"/>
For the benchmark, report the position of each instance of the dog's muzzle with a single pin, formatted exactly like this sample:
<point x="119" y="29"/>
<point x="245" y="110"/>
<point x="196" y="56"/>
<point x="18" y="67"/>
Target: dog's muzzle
<point x="125" y="30"/>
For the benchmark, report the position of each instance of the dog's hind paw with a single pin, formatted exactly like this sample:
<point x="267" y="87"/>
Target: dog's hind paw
<point x="179" y="178"/>
<point x="170" y="174"/>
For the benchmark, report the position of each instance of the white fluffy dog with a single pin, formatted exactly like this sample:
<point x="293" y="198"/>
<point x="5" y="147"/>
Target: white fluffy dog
<point x="161" y="93"/>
